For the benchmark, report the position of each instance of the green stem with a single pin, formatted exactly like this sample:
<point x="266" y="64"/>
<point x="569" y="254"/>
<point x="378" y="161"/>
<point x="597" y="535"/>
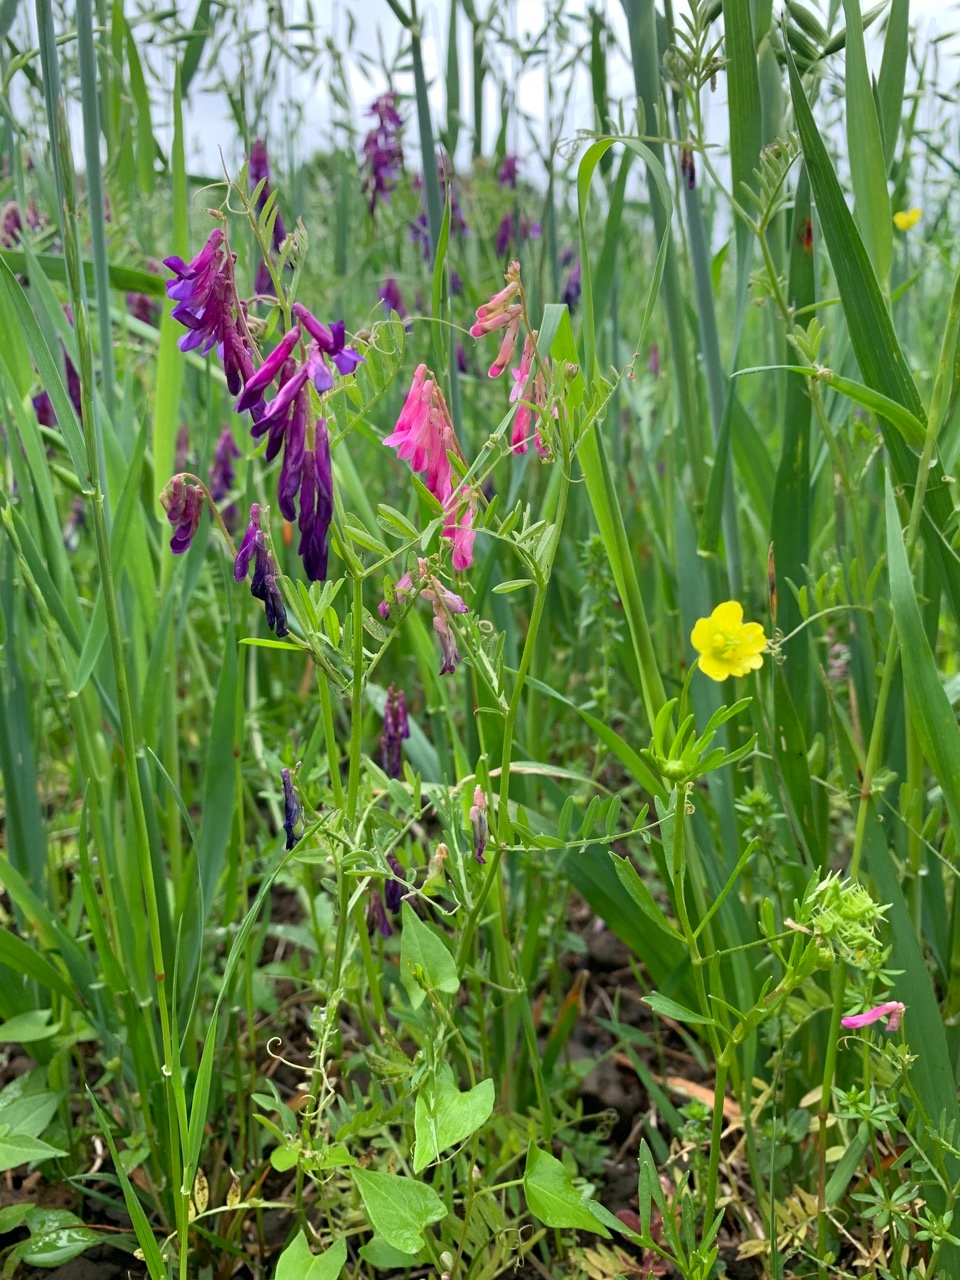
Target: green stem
<point x="823" y="1114"/>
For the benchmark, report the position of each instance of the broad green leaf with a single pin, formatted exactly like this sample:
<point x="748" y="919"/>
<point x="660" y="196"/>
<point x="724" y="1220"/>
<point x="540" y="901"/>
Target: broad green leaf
<point x="298" y="1262"/>
<point x="422" y="949"/>
<point x="18" y="1148"/>
<point x="25" y="1028"/>
<point x="398" y="1208"/>
<point x="384" y="1257"/>
<point x="445" y="1117"/>
<point x="552" y="1197"/>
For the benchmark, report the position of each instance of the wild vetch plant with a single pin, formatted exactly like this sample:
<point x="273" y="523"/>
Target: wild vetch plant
<point x="479" y="753"/>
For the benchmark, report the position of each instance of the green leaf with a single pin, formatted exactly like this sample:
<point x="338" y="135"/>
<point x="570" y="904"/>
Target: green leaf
<point x="18" y="1148"/>
<point x="398" y="1208"/>
<point x="26" y="1028"/>
<point x="668" y="1008"/>
<point x="552" y="1197"/>
<point x="384" y="1257"/>
<point x="641" y="895"/>
<point x="868" y="170"/>
<point x="422" y="950"/>
<point x="297" y="1262"/>
<point x="932" y="716"/>
<point x="445" y="1117"/>
<point x="22" y="958"/>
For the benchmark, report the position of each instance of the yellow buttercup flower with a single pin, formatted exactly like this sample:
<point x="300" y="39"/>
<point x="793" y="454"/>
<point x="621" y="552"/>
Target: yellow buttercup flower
<point x="727" y="645"/>
<point x="904" y="219"/>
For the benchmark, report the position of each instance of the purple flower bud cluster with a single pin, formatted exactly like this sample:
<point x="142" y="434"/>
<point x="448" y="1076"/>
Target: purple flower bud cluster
<point x="292" y="812"/>
<point x="183" y="503"/>
<point x="382" y="151"/>
<point x="264" y="586"/>
<point x="396" y="729"/>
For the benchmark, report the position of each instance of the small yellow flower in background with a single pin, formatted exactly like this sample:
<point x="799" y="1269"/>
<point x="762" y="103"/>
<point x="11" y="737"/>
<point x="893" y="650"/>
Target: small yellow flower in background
<point x="727" y="645"/>
<point x="904" y="219"/>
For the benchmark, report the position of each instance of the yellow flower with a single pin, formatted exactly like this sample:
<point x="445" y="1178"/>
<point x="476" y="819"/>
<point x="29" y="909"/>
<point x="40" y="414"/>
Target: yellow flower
<point x="904" y="219"/>
<point x="727" y="645"/>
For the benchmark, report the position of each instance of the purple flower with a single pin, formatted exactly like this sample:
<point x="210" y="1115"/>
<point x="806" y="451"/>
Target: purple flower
<point x="376" y="916"/>
<point x="450" y="654"/>
<point x="264" y="587"/>
<point x="892" y="1010"/>
<point x="382" y="151"/>
<point x="206" y="297"/>
<point x="396" y="729"/>
<point x="396" y="887"/>
<point x="327" y="343"/>
<point x="653" y="363"/>
<point x="292" y="812"/>
<point x="316" y="505"/>
<point x="254" y="387"/>
<point x="43" y="408"/>
<point x="222" y="475"/>
<point x="391" y="297"/>
<point x="260" y="172"/>
<point x="571" y="290"/>
<point x="688" y="168"/>
<point x="504" y="235"/>
<point x="248" y="546"/>
<point x="183" y="503"/>
<point x="144" y="308"/>
<point x="507" y="175"/>
<point x="456" y="283"/>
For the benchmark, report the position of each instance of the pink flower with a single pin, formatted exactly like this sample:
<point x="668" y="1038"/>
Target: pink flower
<point x="501" y="312"/>
<point x="892" y="1010"/>
<point x="458" y="527"/>
<point x="424" y="435"/>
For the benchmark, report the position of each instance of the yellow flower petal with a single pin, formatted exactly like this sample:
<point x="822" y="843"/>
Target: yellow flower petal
<point x="727" y="645"/>
<point x="904" y="219"/>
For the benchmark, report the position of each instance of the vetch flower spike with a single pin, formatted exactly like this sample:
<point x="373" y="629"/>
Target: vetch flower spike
<point x="727" y="645"/>
<point x="892" y="1010"/>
